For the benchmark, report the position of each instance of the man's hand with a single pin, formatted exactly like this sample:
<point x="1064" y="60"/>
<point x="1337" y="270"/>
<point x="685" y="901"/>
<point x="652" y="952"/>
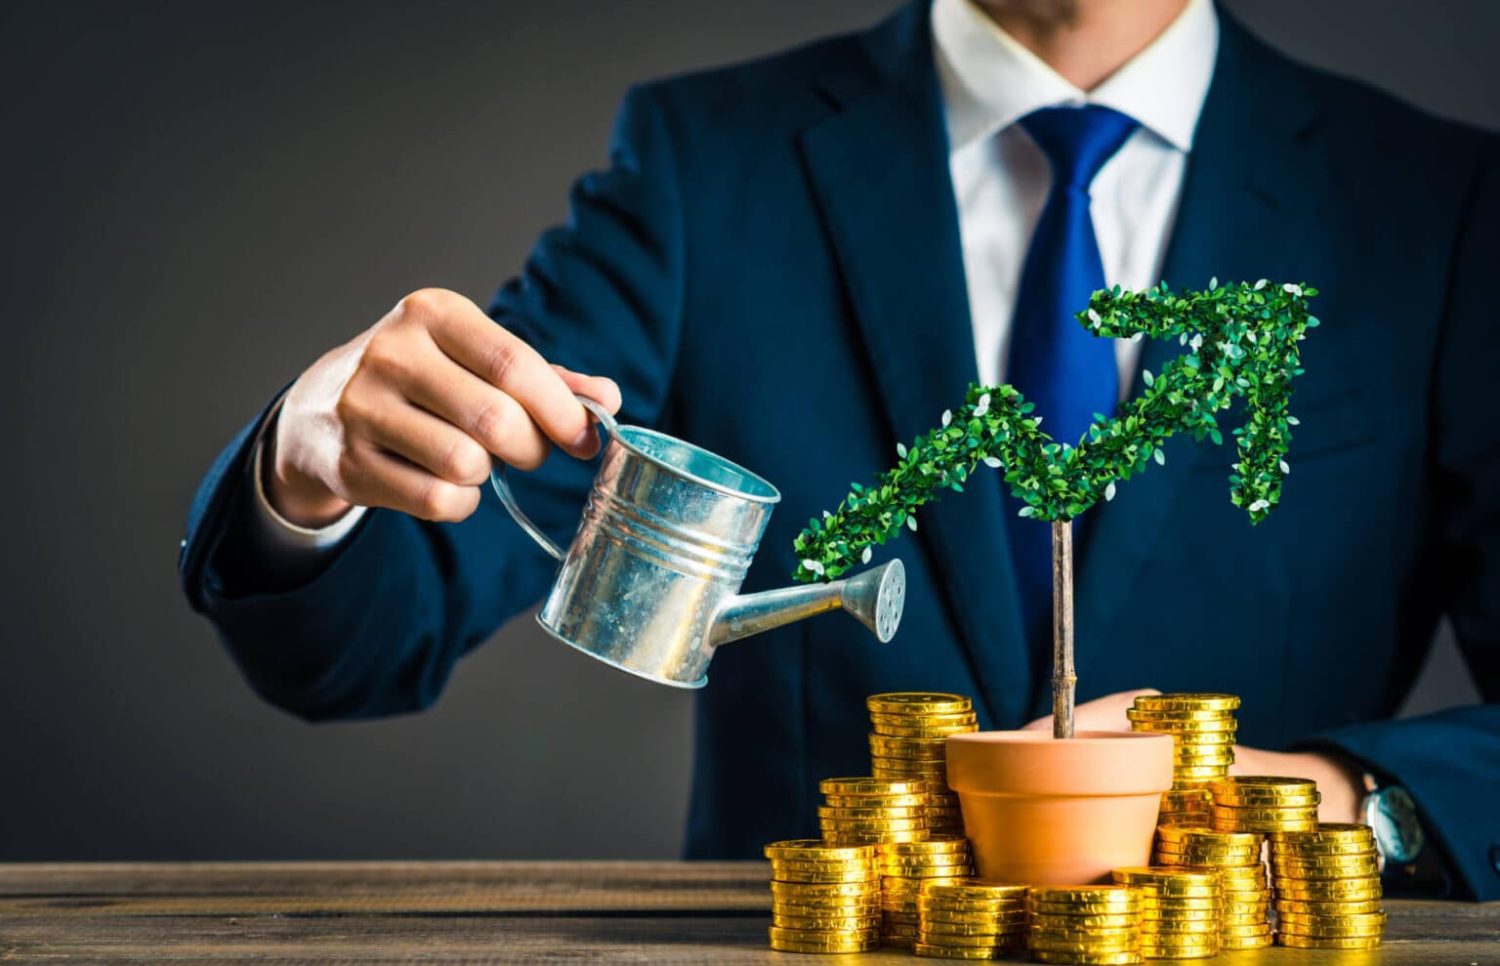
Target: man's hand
<point x="408" y="414"/>
<point x="1339" y="780"/>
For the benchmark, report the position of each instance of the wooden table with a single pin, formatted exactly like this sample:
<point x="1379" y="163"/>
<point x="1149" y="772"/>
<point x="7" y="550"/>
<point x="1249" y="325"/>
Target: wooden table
<point x="499" y="912"/>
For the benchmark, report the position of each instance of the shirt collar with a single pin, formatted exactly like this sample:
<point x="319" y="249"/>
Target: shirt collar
<point x="990" y="81"/>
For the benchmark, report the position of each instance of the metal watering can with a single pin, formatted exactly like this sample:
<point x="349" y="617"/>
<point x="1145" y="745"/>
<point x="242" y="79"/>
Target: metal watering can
<point x="651" y="581"/>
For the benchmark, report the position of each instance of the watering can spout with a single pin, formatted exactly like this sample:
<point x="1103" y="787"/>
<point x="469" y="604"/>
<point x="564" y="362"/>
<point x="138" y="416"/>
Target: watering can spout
<point x="876" y="597"/>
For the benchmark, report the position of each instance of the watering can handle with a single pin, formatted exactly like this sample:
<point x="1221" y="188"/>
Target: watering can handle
<point x="507" y="498"/>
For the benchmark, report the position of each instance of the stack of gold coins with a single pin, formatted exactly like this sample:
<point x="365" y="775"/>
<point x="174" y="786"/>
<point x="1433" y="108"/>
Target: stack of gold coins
<point x="1186" y="806"/>
<point x="1085" y="924"/>
<point x="864" y="811"/>
<point x="1181" y="911"/>
<point x="966" y="919"/>
<point x="1264" y="803"/>
<point x="1204" y="726"/>
<point x="908" y="739"/>
<point x="1236" y="857"/>
<point x="1327" y="888"/>
<point x="824" y="898"/>
<point x="904" y="868"/>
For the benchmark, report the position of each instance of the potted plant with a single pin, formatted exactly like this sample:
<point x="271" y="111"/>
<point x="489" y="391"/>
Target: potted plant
<point x="1069" y="807"/>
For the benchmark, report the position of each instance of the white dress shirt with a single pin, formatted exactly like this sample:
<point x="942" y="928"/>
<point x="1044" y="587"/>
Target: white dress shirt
<point x="1001" y="179"/>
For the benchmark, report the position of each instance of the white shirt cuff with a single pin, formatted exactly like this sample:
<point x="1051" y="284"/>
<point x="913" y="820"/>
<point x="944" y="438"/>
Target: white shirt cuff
<point x="280" y="538"/>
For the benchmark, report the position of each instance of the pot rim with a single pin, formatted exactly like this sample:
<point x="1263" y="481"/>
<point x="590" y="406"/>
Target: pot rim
<point x="1033" y="763"/>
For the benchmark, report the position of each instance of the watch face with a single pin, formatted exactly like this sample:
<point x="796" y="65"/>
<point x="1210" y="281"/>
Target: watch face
<point x="1393" y="816"/>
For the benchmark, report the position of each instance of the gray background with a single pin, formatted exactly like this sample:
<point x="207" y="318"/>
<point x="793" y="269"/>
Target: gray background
<point x="199" y="198"/>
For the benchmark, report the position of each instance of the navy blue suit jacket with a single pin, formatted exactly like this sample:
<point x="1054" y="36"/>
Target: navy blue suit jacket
<point x="770" y="267"/>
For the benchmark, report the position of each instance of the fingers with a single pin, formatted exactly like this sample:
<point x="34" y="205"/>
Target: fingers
<point x="431" y="443"/>
<point x="380" y="478"/>
<point x="474" y="341"/>
<point x="598" y="388"/>
<point x="485" y="414"/>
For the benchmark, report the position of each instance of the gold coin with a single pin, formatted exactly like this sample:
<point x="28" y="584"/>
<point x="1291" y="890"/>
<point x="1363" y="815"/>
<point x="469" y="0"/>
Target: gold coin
<point x="803" y="889"/>
<point x="1087" y="921"/>
<point x="1233" y="943"/>
<point x="1188" y="700"/>
<point x="936" y="718"/>
<point x="920" y="749"/>
<point x="1353" y="919"/>
<point x="803" y="875"/>
<point x="924" y="730"/>
<point x="1296" y="813"/>
<point x="810" y="849"/>
<point x="1247" y="928"/>
<point x="974" y="889"/>
<point x="1312" y="908"/>
<point x="825" y="923"/>
<point x="1242" y="920"/>
<point x="873" y="812"/>
<point x="857" y="943"/>
<point x="877" y="801"/>
<point x="937" y="845"/>
<point x="932" y="951"/>
<point x="1218" y="756"/>
<point x="918" y="702"/>
<point x="1195" y="836"/>
<point x="991" y="927"/>
<point x="1297" y="870"/>
<point x="1145" y="721"/>
<point x="877" y="823"/>
<point x="1330" y="833"/>
<point x="1329" y="860"/>
<point x="1206" y="918"/>
<point x="988" y="940"/>
<point x="1327" y="942"/>
<point x="973" y="917"/>
<point x="813" y="936"/>
<point x="1329" y="929"/>
<point x="1264" y="785"/>
<point x="1080" y="895"/>
<point x="1241" y="824"/>
<point x="1230" y="855"/>
<point x="1328" y="890"/>
<point x="1091" y="958"/>
<point x="904" y="875"/>
<point x="1172" y="904"/>
<point x="1047" y="944"/>
<point x="898" y="769"/>
<point x="816" y="862"/>
<point x="794" y="911"/>
<point x="870" y="786"/>
<point x="1319" y="851"/>
<point x="873" y="836"/>
<point x="1101" y="935"/>
<point x="1170" y="877"/>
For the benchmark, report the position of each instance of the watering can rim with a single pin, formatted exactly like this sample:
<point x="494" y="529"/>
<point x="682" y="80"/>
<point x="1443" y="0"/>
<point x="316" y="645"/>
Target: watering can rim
<point x="622" y="434"/>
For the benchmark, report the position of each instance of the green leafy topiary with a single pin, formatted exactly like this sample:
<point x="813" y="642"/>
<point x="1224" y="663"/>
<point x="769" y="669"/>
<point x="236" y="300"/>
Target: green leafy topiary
<point x="1242" y="340"/>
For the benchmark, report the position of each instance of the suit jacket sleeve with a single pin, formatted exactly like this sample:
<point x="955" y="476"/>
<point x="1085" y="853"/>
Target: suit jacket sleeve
<point x="377" y="629"/>
<point x="1450" y="761"/>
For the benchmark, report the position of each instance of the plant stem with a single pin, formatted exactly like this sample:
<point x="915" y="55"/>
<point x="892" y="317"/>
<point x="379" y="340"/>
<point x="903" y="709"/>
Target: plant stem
<point x="1064" y="680"/>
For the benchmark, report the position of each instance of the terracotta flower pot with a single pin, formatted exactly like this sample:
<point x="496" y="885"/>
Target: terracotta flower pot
<point x="1047" y="811"/>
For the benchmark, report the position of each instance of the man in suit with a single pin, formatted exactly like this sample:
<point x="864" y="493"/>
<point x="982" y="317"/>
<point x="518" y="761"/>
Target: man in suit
<point x="801" y="261"/>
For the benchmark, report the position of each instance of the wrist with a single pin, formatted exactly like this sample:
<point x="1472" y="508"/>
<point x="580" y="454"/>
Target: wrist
<point x="298" y="498"/>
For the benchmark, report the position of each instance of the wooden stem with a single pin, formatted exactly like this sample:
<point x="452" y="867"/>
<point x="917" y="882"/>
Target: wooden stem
<point x="1064" y="680"/>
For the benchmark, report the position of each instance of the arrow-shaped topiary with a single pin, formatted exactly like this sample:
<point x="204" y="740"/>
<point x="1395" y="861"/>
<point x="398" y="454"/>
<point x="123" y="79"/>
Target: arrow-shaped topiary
<point x="1242" y="341"/>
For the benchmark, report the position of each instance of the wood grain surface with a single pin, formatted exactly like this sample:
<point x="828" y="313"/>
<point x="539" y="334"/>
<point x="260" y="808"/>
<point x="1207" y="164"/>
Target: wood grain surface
<point x="446" y="912"/>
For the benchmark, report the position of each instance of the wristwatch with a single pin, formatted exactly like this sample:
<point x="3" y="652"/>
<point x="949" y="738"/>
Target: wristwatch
<point x="1392" y="814"/>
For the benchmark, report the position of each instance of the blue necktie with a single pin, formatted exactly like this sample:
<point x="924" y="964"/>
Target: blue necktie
<point x="1067" y="372"/>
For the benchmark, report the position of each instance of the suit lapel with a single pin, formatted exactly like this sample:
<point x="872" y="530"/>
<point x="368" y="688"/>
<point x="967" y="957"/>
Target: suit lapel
<point x="879" y="170"/>
<point x="1245" y="213"/>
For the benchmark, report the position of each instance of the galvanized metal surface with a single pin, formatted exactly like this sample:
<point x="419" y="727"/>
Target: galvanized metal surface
<point x="650" y="583"/>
